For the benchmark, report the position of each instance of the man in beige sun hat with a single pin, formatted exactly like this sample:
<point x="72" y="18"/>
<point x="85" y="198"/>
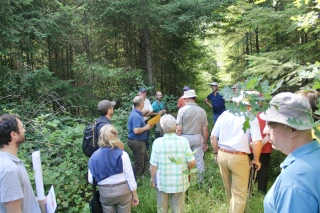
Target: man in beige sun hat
<point x="192" y="124"/>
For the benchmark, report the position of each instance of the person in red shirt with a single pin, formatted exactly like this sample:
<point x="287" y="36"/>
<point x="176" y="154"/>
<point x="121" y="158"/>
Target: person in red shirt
<point x="263" y="173"/>
<point x="181" y="102"/>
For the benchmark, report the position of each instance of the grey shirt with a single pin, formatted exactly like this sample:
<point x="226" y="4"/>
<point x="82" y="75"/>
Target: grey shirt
<point x="15" y="184"/>
<point x="192" y="118"/>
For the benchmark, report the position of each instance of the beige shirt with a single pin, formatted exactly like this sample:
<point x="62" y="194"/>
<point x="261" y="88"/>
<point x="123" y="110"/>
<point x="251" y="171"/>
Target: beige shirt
<point x="192" y="118"/>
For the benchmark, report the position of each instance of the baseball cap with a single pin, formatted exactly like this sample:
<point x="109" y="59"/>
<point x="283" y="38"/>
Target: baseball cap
<point x="286" y="106"/>
<point x="142" y="89"/>
<point x="104" y="105"/>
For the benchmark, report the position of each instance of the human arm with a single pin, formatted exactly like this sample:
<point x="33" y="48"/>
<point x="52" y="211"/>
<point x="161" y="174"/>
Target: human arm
<point x="257" y="142"/>
<point x="205" y="138"/>
<point x="13" y="206"/>
<point x="179" y="129"/>
<point x="140" y="130"/>
<point x="215" y="146"/>
<point x="90" y="178"/>
<point x="128" y="173"/>
<point x="153" y="172"/>
<point x="206" y="100"/>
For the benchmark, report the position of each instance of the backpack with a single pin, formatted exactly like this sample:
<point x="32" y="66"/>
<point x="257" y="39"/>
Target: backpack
<point x="90" y="142"/>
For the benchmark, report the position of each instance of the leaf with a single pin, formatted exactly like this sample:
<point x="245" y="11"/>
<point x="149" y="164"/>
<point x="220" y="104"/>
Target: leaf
<point x="246" y="124"/>
<point x="172" y="159"/>
<point x="194" y="170"/>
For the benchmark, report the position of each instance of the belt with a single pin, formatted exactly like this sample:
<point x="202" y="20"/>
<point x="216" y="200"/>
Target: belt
<point x="116" y="184"/>
<point x="232" y="152"/>
<point x="188" y="134"/>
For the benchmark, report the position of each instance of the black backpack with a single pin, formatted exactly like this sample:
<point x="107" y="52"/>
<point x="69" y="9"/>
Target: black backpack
<point x="90" y="139"/>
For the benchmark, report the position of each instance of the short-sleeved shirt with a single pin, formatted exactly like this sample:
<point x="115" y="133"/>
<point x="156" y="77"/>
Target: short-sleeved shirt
<point x="229" y="130"/>
<point x="192" y="118"/>
<point x="170" y="177"/>
<point x="15" y="184"/>
<point x="217" y="103"/>
<point x="297" y="188"/>
<point x="147" y="105"/>
<point x="181" y="102"/>
<point x="157" y="106"/>
<point x="136" y="121"/>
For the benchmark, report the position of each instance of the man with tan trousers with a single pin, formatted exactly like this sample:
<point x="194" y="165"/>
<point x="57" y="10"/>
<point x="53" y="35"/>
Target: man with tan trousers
<point x="231" y="154"/>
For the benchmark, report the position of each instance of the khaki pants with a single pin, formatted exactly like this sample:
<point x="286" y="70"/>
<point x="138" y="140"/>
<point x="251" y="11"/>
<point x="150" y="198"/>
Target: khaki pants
<point x="177" y="202"/>
<point x="235" y="171"/>
<point x="115" y="198"/>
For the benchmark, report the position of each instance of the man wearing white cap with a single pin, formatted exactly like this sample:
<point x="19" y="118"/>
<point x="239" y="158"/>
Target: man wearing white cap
<point x="231" y="153"/>
<point x="297" y="188"/>
<point x="192" y="124"/>
<point x="217" y="102"/>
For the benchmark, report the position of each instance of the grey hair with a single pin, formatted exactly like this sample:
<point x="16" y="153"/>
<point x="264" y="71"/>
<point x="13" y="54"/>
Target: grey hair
<point x="168" y="123"/>
<point x="108" y="136"/>
<point x="137" y="101"/>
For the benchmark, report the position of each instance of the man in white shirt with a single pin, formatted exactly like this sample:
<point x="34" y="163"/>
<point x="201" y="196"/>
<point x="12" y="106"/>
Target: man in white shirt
<point x="146" y="111"/>
<point x="231" y="155"/>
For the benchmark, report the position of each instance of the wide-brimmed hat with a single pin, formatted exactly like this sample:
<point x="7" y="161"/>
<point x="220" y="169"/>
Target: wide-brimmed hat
<point x="186" y="88"/>
<point x="189" y="94"/>
<point x="290" y="109"/>
<point x="104" y="105"/>
<point x="236" y="86"/>
<point x="214" y="84"/>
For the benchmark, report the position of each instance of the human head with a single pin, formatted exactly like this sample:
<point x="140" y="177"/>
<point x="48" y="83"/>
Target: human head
<point x="138" y="102"/>
<point x="289" y="121"/>
<point x="214" y="86"/>
<point x="108" y="136"/>
<point x="10" y="124"/>
<point x="312" y="96"/>
<point x="159" y="95"/>
<point x="168" y="123"/>
<point x="143" y="92"/>
<point x="235" y="88"/>
<point x="105" y="106"/>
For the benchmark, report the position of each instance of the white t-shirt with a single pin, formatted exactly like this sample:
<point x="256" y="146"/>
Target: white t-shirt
<point x="229" y="130"/>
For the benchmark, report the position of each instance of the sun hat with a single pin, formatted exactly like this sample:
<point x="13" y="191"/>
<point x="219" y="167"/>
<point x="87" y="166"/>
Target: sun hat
<point x="236" y="86"/>
<point x="186" y="88"/>
<point x="189" y="94"/>
<point x="214" y="84"/>
<point x="104" y="105"/>
<point x="290" y="109"/>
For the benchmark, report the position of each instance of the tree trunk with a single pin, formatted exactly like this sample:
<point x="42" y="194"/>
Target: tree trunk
<point x="146" y="33"/>
<point x="257" y="41"/>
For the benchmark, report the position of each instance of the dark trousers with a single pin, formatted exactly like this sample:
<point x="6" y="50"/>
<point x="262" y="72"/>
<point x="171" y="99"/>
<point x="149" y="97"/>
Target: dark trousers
<point x="262" y="175"/>
<point x="140" y="157"/>
<point x="148" y="140"/>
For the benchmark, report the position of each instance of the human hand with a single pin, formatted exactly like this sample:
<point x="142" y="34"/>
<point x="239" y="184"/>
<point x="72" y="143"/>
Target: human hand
<point x="153" y="184"/>
<point x="256" y="164"/>
<point x="135" y="201"/>
<point x="216" y="158"/>
<point x="205" y="147"/>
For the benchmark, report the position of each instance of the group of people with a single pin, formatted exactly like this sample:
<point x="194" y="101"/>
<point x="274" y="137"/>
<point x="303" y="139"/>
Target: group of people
<point x="179" y="146"/>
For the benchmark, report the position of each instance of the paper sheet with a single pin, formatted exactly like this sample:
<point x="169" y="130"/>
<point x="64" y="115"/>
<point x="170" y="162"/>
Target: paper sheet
<point x="36" y="161"/>
<point x="51" y="201"/>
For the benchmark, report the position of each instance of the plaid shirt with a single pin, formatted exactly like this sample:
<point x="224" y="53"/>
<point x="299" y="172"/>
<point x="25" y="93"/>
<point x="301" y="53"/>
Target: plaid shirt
<point x="170" y="177"/>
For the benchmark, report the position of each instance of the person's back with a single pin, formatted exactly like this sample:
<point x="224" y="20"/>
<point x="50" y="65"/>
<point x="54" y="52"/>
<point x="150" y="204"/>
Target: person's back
<point x="171" y="177"/>
<point x="192" y="118"/>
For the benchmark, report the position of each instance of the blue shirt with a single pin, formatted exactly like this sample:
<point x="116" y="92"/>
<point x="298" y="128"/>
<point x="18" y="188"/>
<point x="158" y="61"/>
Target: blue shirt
<point x="136" y="121"/>
<point x="297" y="188"/>
<point x="157" y="106"/>
<point x="217" y="102"/>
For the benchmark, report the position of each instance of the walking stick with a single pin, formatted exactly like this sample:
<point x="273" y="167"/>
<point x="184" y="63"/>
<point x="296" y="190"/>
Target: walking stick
<point x="252" y="178"/>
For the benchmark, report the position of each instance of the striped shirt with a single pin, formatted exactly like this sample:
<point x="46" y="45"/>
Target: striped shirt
<point x="170" y="177"/>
